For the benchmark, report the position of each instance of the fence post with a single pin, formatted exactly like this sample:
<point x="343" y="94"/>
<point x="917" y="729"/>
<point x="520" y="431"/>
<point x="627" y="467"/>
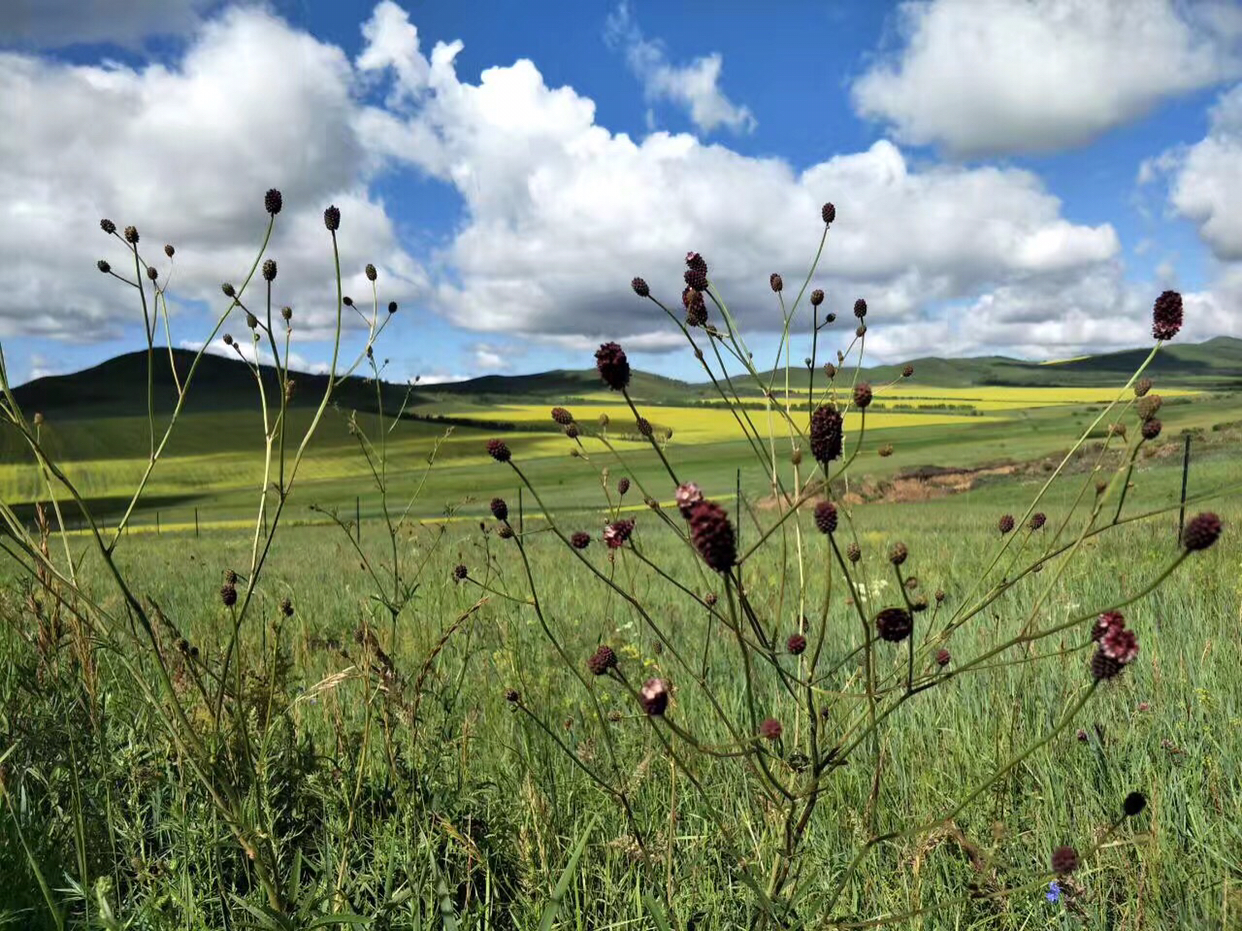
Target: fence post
<point x="1181" y="514"/>
<point x="196" y="523"/>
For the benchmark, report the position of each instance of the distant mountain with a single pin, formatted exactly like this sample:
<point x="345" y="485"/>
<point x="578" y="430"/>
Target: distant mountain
<point x="118" y="387"/>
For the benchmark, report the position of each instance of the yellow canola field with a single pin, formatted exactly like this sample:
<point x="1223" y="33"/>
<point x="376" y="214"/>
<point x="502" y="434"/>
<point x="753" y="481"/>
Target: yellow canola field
<point x="703" y="425"/>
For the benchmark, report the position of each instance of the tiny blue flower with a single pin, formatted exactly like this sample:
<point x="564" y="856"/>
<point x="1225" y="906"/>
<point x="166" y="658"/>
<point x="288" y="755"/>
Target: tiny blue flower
<point x="1054" y="891"/>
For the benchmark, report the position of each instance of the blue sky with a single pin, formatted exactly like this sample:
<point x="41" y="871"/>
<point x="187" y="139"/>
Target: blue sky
<point x="1013" y="176"/>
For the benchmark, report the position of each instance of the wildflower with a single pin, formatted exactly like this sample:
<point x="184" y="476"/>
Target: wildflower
<point x="498" y="450"/>
<point x="228" y="594"/>
<point x="562" y="416"/>
<point x="1064" y="860"/>
<point x="776" y="282"/>
<point x="894" y="624"/>
<point x="272" y="201"/>
<point x="392" y="307"/>
<point x="1142" y="386"/>
<point x="862" y="395"/>
<point x="580" y="540"/>
<point x="613" y="366"/>
<point x="1148" y="405"/>
<point x="1202" y="531"/>
<point x="1038" y="519"/>
<point x="1006" y="523"/>
<point x="1134" y="804"/>
<point x="640" y="287"/>
<point x="332" y="218"/>
<point x="710" y="599"/>
<point x="817" y="297"/>
<point x="616" y="533"/>
<point x="897" y="555"/>
<point x="654" y="696"/>
<point x="269" y="270"/>
<point x="286" y="607"/>
<point x="228" y="289"/>
<point x="696" y="261"/>
<point x="696" y="278"/>
<point x="1054" y="891"/>
<point x="939" y="596"/>
<point x="131" y="235"/>
<point x="712" y="535"/>
<point x="370" y="272"/>
<point x="500" y="509"/>
<point x="644" y="426"/>
<point x="796" y="644"/>
<point x="169" y="250"/>
<point x="826" y="517"/>
<point x="943" y="657"/>
<point x="602" y="660"/>
<point x="907" y="371"/>
<point x="696" y="307"/>
<point x="1082" y="736"/>
<point x="829" y="213"/>
<point x="460" y="572"/>
<point x="1166" y="315"/>
<point x="861" y="330"/>
<point x="830" y="370"/>
<point x="152" y="272"/>
<point x="623" y="486"/>
<point x="107" y="226"/>
<point x="103" y="266"/>
<point x="853" y="553"/>
<point x="505" y="532"/>
<point x="1120" y="644"/>
<point x="770" y="729"/>
<point x="1106" y="622"/>
<point x="826" y="434"/>
<point x="1151" y="429"/>
<point x="860" y="308"/>
<point x="512" y="696"/>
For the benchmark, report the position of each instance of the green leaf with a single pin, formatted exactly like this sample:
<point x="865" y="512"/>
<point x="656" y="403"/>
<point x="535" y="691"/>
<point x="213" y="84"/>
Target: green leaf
<point x="562" y="886"/>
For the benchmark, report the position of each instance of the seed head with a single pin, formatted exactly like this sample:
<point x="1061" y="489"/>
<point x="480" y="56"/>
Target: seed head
<point x="796" y="644"/>
<point x="228" y="339"/>
<point x="103" y="266"/>
<point x="613" y="366"/>
<point x="885" y="451"/>
<point x="1038" y="519"/>
<point x="169" y="250"/>
<point x="1104" y="666"/>
<point x="228" y="594"/>
<point x="460" y="572"/>
<point x="817" y="297"/>
<point x="371" y="273"/>
<point x="332" y="218"/>
<point x="829" y="318"/>
<point x="1148" y="405"/>
<point x="940" y="596"/>
<point x="862" y="395"/>
<point x="1106" y="622"/>
<point x="623" y="485"/>
<point x="1134" y="804"/>
<point x="640" y="287"/>
<point x="392" y="307"/>
<point x="907" y="371"/>
<point x="826" y="434"/>
<point x="830" y="370"/>
<point x="829" y="213"/>
<point x="1064" y="860"/>
<point x="272" y="201"/>
<point x="228" y="289"/>
<point x="770" y="729"/>
<point x="897" y="553"/>
<point x="860" y="330"/>
<point x="287" y="313"/>
<point x="616" y="533"/>
<point x="712" y="535"/>
<point x="347" y="301"/>
<point x="269" y="270"/>
<point x="894" y="624"/>
<point x="562" y="416"/>
<point x="1202" y="531"/>
<point x="1141" y="387"/>
<point x="943" y="657"/>
<point x="152" y="273"/>
<point x="580" y="540"/>
<point x="512" y="696"/>
<point x="498" y="450"/>
<point x="860" y="308"/>
<point x="252" y="321"/>
<point x="505" y="532"/>
<point x="688" y="494"/>
<point x="286" y="607"/>
<point x="107" y="226"/>
<point x="1005" y="524"/>
<point x="776" y="282"/>
<point x="602" y="660"/>
<point x="1151" y="429"/>
<point x="853" y="553"/>
<point x="571" y="431"/>
<point x="826" y="517"/>
<point x="131" y="235"/>
<point x="500" y="509"/>
<point x="1166" y="315"/>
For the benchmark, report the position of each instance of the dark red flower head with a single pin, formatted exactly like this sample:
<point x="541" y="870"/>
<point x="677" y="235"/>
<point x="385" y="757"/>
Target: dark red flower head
<point x="580" y="540"/>
<point x="862" y="395"/>
<point x="897" y="553"/>
<point x="688" y="495"/>
<point x="694" y="260"/>
<point x="1038" y="519"/>
<point x="1202" y="531"/>
<point x="623" y="486"/>
<point x="500" y="509"/>
<point x="1106" y="622"/>
<point x="498" y="450"/>
<point x="332" y="218"/>
<point x="1064" y="860"/>
<point x="712" y="535"/>
<point x="1120" y="644"/>
<point x="460" y="572"/>
<point x="616" y="533"/>
<point x="907" y="371"/>
<point x="272" y="201"/>
<point x="860" y="308"/>
<point x="829" y="213"/>
<point x="562" y="416"/>
<point x="602" y="660"/>
<point x="1151" y="428"/>
<point x="1166" y="315"/>
<point x="696" y="278"/>
<point x="640" y="287"/>
<point x="894" y="624"/>
<point x="770" y="729"/>
<point x="613" y="366"/>
<point x="696" y="308"/>
<point x="796" y="644"/>
<point x="826" y="517"/>
<point x="654" y="696"/>
<point x="1134" y="804"/>
<point x="826" y="434"/>
<point x="943" y="657"/>
<point x="1005" y="524"/>
<point x="817" y="297"/>
<point x="776" y="282"/>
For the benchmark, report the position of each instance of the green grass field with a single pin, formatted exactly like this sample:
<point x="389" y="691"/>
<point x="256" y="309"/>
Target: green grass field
<point x="358" y="754"/>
